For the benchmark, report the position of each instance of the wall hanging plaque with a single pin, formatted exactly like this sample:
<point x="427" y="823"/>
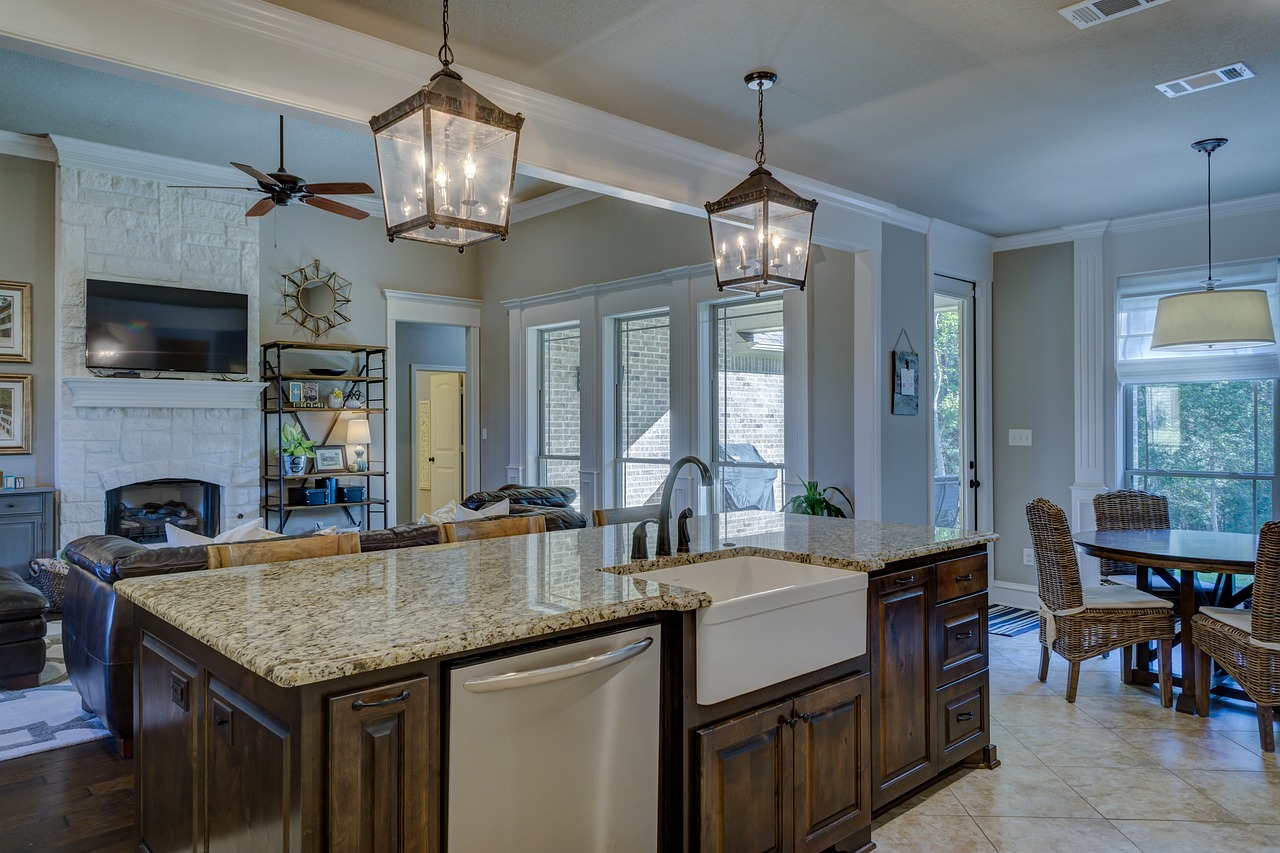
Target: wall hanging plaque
<point x="906" y="378"/>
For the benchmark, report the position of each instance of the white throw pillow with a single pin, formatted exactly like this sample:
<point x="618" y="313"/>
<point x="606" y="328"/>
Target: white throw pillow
<point x="444" y="515"/>
<point x="250" y="531"/>
<point x="501" y="508"/>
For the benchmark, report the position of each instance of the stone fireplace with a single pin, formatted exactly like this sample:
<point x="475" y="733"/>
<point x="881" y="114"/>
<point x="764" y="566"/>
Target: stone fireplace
<point x="141" y="511"/>
<point x="118" y="219"/>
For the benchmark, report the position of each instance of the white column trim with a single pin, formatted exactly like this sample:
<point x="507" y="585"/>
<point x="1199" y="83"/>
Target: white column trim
<point x="517" y="389"/>
<point x="405" y="306"/>
<point x="1090" y="394"/>
<point x="866" y="380"/>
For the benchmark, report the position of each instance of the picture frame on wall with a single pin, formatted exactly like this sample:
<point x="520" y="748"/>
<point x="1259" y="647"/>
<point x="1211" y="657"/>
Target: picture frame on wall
<point x="15" y="414"/>
<point x="15" y="322"/>
<point x="906" y="380"/>
<point x="331" y="459"/>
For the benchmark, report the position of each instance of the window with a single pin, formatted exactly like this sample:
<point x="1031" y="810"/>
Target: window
<point x="748" y="401"/>
<point x="559" y="407"/>
<point x="643" y="407"/>
<point x="1199" y="427"/>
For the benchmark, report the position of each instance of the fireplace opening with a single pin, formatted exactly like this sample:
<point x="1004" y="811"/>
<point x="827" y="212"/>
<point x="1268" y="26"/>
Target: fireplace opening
<point x="140" y="511"/>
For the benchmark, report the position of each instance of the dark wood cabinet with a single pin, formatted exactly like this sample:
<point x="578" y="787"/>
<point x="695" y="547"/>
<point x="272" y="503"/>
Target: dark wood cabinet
<point x="166" y="760"/>
<point x="248" y="789"/>
<point x="378" y="763"/>
<point x="790" y="777"/>
<point x="929" y="672"/>
<point x="28" y="527"/>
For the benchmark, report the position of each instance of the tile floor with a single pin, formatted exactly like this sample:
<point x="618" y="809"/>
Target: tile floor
<point x="1113" y="772"/>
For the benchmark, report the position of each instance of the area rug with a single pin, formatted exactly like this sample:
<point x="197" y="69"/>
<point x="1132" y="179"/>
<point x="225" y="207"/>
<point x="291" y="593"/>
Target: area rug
<point x="49" y="716"/>
<point x="1011" y="621"/>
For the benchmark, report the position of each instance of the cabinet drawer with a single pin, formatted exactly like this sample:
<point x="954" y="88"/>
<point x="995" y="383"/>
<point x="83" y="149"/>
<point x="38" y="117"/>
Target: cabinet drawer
<point x="961" y="628"/>
<point x="963" y="718"/>
<point x="962" y="577"/>
<point x="20" y="504"/>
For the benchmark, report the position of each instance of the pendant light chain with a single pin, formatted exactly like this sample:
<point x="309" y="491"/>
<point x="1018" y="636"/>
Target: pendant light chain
<point x="760" y="119"/>
<point x="446" y="52"/>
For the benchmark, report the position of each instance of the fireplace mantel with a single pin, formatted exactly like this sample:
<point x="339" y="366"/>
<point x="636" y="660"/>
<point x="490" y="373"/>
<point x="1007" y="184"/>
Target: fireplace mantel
<point x="95" y="392"/>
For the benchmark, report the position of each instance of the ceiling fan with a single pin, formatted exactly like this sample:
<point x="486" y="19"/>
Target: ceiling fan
<point x="282" y="189"/>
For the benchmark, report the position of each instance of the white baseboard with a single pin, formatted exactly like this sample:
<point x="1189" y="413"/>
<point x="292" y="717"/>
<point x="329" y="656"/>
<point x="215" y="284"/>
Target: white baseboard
<point x="1021" y="595"/>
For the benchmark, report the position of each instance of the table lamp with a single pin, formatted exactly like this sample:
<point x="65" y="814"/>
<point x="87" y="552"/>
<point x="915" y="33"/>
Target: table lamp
<point x="358" y="434"/>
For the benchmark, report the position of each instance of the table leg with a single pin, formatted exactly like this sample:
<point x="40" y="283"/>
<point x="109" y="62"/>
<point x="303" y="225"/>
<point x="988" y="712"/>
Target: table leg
<point x="1142" y="659"/>
<point x="1186" y="703"/>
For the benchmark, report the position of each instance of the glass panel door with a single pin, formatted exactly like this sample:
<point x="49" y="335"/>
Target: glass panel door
<point x="954" y="496"/>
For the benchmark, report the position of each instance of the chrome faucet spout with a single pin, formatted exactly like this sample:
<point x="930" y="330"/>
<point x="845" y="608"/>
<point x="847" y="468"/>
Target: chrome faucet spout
<point x="664" y="508"/>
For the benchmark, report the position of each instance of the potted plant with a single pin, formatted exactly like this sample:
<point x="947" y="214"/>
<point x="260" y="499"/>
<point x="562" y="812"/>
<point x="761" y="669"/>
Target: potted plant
<point x="814" y="501"/>
<point x="295" y="449"/>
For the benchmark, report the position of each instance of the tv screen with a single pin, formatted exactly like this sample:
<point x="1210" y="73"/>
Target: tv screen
<point x="149" y="327"/>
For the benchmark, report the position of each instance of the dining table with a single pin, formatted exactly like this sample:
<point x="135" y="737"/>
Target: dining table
<point x="1175" y="557"/>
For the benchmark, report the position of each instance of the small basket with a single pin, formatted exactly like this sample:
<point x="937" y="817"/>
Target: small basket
<point x="50" y="577"/>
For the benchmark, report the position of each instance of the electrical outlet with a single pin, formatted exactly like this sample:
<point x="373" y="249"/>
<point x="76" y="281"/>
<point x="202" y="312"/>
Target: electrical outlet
<point x="1019" y="438"/>
<point x="1028" y="558"/>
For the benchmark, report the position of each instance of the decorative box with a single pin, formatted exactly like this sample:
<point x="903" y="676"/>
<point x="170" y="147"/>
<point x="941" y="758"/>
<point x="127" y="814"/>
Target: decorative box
<point x="300" y="496"/>
<point x="350" y="494"/>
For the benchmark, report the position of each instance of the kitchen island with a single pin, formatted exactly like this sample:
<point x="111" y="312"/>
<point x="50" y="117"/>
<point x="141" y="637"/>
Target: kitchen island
<point x="304" y="705"/>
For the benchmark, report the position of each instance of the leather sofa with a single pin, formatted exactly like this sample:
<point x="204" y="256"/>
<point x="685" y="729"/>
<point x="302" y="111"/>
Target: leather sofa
<point x="22" y="630"/>
<point x="97" y="626"/>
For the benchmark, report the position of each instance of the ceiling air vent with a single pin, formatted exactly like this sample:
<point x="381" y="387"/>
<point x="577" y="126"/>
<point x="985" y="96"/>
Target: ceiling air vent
<point x="1085" y="15"/>
<point x="1205" y="80"/>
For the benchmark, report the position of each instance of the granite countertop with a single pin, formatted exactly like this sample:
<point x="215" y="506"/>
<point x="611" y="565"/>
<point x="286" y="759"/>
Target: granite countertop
<point x="307" y="621"/>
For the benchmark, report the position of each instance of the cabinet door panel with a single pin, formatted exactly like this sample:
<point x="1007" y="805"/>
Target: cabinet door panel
<point x="378" y="769"/>
<point x="166" y="748"/>
<point x="962" y="628"/>
<point x="20" y="541"/>
<point x="964" y="718"/>
<point x="248" y="786"/>
<point x="745" y="783"/>
<point x="831" y="760"/>
<point x="901" y="710"/>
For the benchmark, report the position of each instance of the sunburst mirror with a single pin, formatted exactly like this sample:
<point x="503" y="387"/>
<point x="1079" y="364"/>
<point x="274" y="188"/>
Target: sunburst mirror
<point x="316" y="298"/>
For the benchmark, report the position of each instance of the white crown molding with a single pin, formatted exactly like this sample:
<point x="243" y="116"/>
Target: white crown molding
<point x="959" y="234"/>
<point x="106" y="393"/>
<point x="341" y="76"/>
<point x="96" y="156"/>
<point x="432" y="299"/>
<point x="25" y="145"/>
<point x="907" y="219"/>
<point x="1031" y="239"/>
<point x="1085" y="230"/>
<point x="550" y="203"/>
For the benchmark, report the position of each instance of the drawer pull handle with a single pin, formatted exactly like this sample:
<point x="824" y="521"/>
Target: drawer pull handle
<point x="904" y="581"/>
<point x="10" y="506"/>
<point x="964" y="578"/>
<point x="964" y="635"/>
<point x="965" y="717"/>
<point x="358" y="704"/>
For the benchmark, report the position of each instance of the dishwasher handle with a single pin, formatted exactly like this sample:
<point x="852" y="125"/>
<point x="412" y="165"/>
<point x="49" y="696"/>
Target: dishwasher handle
<point x="532" y="677"/>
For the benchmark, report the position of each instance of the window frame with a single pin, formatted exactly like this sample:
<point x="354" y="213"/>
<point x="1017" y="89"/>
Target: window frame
<point x="541" y="457"/>
<point x="619" y="457"/>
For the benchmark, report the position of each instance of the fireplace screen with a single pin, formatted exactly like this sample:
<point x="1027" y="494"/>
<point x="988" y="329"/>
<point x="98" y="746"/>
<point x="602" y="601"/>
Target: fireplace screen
<point x="141" y="510"/>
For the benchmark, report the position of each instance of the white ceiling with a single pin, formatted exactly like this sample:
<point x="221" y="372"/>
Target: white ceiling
<point x="998" y="115"/>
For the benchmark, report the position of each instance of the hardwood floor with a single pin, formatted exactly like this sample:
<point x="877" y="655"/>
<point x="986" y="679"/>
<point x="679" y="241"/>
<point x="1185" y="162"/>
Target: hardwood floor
<point x="71" y="800"/>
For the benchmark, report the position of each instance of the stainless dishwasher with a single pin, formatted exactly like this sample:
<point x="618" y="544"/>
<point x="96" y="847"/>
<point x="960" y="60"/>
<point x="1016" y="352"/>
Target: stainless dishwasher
<point x="556" y="749"/>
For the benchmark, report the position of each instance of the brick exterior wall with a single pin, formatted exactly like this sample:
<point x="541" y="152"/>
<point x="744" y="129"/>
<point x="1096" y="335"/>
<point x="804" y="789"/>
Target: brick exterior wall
<point x="117" y="227"/>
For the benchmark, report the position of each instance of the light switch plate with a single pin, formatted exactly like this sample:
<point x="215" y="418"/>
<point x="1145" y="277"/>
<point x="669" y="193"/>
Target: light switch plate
<point x="1019" y="438"/>
<point x="1028" y="559"/>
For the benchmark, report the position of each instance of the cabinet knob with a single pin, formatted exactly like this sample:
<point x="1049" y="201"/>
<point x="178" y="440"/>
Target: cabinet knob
<point x="904" y="581"/>
<point x="791" y="721"/>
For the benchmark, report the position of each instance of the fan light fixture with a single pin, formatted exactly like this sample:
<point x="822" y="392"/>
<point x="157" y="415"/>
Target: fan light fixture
<point x="1212" y="319"/>
<point x="447" y="160"/>
<point x="760" y="230"/>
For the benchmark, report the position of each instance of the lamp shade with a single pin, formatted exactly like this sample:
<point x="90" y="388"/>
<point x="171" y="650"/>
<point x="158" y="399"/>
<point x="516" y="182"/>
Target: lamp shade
<point x="358" y="431"/>
<point x="1213" y="320"/>
<point x="447" y="160"/>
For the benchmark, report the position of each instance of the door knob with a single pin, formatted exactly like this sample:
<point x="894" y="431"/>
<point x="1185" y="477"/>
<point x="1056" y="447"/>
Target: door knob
<point x="973" y="484"/>
<point x="431" y="459"/>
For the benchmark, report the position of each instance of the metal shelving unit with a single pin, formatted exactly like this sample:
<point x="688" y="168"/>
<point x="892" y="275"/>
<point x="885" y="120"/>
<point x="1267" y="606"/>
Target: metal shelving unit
<point x="284" y="362"/>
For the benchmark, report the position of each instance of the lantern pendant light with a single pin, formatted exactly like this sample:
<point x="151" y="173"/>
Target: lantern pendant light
<point x="447" y="160"/>
<point x="760" y="230"/>
<point x="1209" y="319"/>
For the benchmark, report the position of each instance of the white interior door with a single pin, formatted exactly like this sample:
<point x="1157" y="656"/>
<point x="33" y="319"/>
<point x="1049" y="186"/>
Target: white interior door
<point x="438" y="431"/>
<point x="955" y="480"/>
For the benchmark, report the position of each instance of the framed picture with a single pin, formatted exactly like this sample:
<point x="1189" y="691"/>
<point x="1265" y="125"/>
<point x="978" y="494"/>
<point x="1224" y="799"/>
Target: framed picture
<point x="19" y="482"/>
<point x="15" y="321"/>
<point x="295" y="393"/>
<point x="906" y="379"/>
<point x="15" y="414"/>
<point x="10" y="482"/>
<point x="331" y="459"/>
<point x="310" y="392"/>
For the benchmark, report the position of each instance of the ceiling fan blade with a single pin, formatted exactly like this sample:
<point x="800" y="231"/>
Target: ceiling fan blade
<point x="202" y="187"/>
<point x="263" y="206"/>
<point x="261" y="177"/>
<point x="339" y="189"/>
<point x="335" y="207"/>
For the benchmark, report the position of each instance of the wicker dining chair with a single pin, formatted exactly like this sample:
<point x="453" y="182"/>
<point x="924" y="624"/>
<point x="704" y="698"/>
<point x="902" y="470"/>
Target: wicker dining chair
<point x="1128" y="509"/>
<point x="1083" y="623"/>
<point x="492" y="528"/>
<point x="1246" y="643"/>
<point x="623" y="514"/>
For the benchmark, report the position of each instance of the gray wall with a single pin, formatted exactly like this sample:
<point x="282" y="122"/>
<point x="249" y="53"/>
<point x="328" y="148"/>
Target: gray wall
<point x="904" y="445"/>
<point x="443" y="347"/>
<point x="831" y="438"/>
<point x="602" y="240"/>
<point x="26" y="255"/>
<point x="1033" y="388"/>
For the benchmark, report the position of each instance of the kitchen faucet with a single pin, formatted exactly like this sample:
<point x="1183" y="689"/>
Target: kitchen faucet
<point x="664" y="508"/>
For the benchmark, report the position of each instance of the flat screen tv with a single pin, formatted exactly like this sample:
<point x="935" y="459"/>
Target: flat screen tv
<point x="148" y="327"/>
